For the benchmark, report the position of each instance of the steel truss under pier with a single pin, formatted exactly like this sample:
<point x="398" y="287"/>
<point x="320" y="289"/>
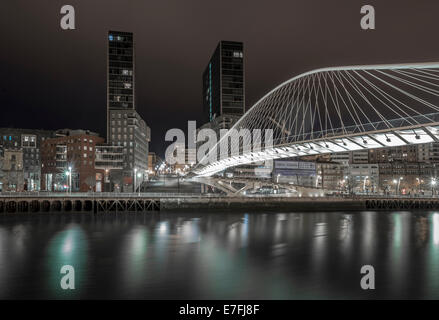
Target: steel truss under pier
<point x="403" y="204"/>
<point x="86" y="204"/>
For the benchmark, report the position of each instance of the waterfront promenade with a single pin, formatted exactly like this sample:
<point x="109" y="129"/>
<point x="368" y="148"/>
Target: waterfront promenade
<point x="139" y="202"/>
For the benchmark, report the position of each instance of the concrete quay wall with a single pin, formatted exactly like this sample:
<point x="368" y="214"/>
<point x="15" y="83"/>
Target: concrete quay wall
<point x="299" y="204"/>
<point x="141" y="203"/>
<point x="261" y="204"/>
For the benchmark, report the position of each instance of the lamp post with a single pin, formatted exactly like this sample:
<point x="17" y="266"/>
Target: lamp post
<point x="419" y="185"/>
<point x="69" y="175"/>
<point x="70" y="180"/>
<point x="433" y="183"/>
<point x="135" y="176"/>
<point x="395" y="181"/>
<point x="139" y="175"/>
<point x="106" y="186"/>
<point x="364" y="183"/>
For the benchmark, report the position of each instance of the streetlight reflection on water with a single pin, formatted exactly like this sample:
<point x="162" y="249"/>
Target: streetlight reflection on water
<point x="68" y="247"/>
<point x="435" y="227"/>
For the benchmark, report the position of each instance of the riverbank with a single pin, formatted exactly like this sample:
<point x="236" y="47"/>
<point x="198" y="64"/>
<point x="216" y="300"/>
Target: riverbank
<point x="263" y="204"/>
<point x="142" y="202"/>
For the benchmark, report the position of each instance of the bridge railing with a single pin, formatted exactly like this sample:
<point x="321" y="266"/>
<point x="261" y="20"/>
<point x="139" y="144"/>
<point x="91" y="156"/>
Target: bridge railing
<point x="356" y="129"/>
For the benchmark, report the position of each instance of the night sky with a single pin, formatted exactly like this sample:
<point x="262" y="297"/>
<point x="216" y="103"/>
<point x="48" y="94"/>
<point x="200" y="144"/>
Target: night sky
<point x="51" y="78"/>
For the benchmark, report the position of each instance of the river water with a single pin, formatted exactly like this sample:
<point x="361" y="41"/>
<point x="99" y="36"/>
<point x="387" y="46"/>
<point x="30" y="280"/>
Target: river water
<point x="220" y="255"/>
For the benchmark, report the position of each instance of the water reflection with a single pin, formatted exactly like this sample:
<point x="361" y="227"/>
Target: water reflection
<point x="221" y="255"/>
<point x="435" y="228"/>
<point x="4" y="265"/>
<point x="67" y="247"/>
<point x="134" y="261"/>
<point x="433" y="257"/>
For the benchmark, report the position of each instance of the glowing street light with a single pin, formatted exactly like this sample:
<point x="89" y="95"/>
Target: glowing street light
<point x="364" y="183"/>
<point x="135" y="176"/>
<point x="69" y="175"/>
<point x="397" y="181"/>
<point x="70" y="180"/>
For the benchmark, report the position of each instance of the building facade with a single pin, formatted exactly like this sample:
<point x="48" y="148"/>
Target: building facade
<point x="109" y="159"/>
<point x="152" y="163"/>
<point x="409" y="169"/>
<point x="302" y="173"/>
<point x="329" y="175"/>
<point x="362" y="178"/>
<point x="71" y="153"/>
<point x="125" y="127"/>
<point x="28" y="141"/>
<point x="12" y="171"/>
<point x="223" y="81"/>
<point x="120" y="84"/>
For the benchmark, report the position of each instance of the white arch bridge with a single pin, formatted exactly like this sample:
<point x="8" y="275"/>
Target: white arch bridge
<point x="335" y="109"/>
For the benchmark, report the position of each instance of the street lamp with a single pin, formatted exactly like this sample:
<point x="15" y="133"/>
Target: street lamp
<point x="433" y="183"/>
<point x="419" y="185"/>
<point x="364" y="183"/>
<point x="397" y="188"/>
<point x="70" y="180"/>
<point x="342" y="185"/>
<point x="317" y="181"/>
<point x="139" y="175"/>
<point x="69" y="175"/>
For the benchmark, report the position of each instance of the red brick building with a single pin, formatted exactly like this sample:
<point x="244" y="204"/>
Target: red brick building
<point x="74" y="149"/>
